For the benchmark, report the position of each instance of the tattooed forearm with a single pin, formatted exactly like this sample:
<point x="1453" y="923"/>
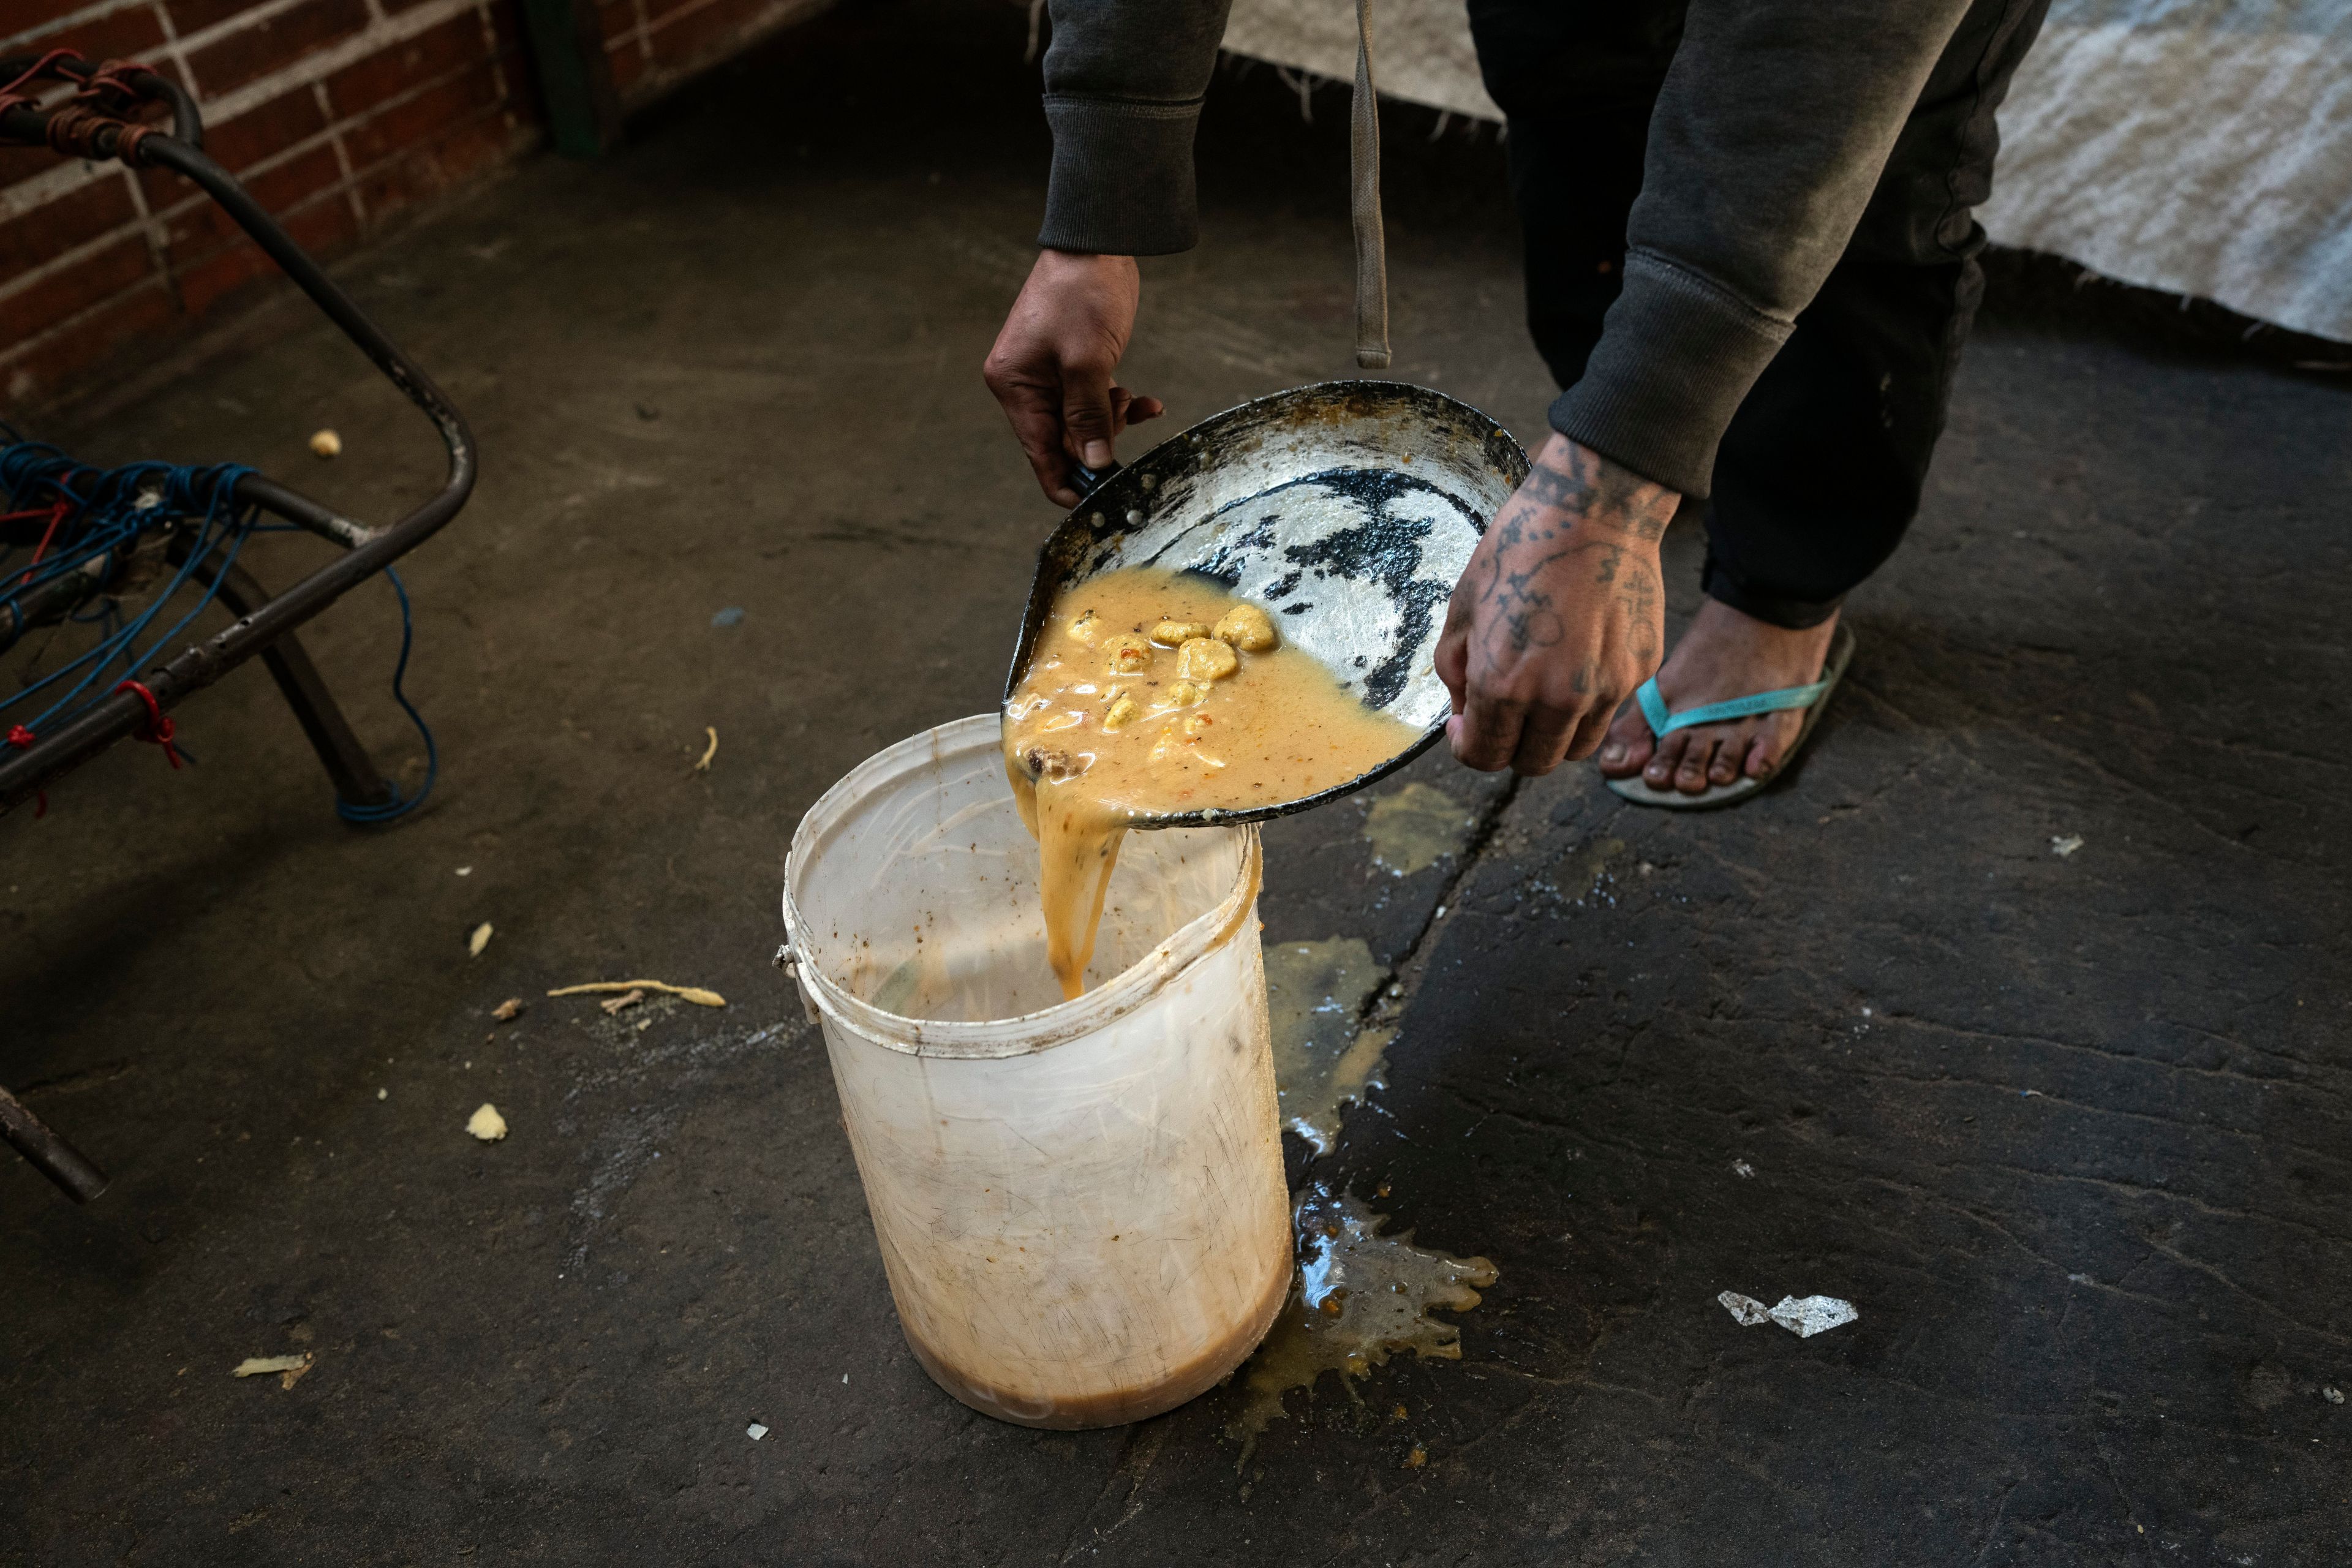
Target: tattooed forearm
<point x="1592" y="491"/>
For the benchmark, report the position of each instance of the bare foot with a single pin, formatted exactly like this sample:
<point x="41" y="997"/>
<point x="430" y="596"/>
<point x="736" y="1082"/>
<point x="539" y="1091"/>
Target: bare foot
<point x="1724" y="655"/>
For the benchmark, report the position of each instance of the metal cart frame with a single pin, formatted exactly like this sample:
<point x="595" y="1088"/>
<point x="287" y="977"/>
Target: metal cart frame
<point x="102" y="118"/>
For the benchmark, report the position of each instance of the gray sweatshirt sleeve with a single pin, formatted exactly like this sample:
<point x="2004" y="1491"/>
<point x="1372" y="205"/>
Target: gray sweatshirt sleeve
<point x="1775" y="122"/>
<point x="1124" y="80"/>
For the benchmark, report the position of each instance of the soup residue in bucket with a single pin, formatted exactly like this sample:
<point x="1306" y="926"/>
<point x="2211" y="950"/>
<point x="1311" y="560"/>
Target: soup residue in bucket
<point x="1154" y="693"/>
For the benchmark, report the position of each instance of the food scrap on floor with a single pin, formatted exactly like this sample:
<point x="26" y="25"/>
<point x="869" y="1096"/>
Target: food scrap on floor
<point x="694" y="994"/>
<point x="288" y="1368"/>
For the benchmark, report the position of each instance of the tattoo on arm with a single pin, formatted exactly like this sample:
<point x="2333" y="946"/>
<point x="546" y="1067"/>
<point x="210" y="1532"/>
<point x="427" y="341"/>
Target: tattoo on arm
<point x="1597" y="492"/>
<point x="1587" y="510"/>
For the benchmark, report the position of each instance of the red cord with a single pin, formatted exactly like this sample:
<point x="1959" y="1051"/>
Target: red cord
<point x="56" y="515"/>
<point x="11" y="96"/>
<point x="21" y="737"/>
<point x="159" y="728"/>
<point x="74" y="127"/>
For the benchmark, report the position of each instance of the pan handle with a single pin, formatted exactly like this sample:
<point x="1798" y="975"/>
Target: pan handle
<point x="1086" y="481"/>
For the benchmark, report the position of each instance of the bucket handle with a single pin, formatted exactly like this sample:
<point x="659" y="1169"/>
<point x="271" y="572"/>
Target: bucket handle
<point x="790" y="962"/>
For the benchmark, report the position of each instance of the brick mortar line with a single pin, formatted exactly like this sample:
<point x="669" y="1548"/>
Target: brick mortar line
<point x="323" y="63"/>
<point x="25" y="195"/>
<point x="167" y="281"/>
<point x="152" y="281"/>
<point x="643" y="33"/>
<point x="98" y="12"/>
<point x="172" y="50"/>
<point x="660" y="74"/>
<point x="283" y="156"/>
<point x="252" y="16"/>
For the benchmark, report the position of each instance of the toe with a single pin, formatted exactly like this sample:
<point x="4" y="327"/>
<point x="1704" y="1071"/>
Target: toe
<point x="1628" y="747"/>
<point x="1666" y="756"/>
<point x="1690" y="775"/>
<point x="1766" y="751"/>
<point x="1725" y="766"/>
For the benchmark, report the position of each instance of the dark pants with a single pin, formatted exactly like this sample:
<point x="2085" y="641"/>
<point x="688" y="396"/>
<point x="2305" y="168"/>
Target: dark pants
<point x="1820" y="470"/>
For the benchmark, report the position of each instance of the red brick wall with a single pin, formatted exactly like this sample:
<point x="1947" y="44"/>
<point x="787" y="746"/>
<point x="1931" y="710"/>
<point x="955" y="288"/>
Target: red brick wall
<point x="338" y="115"/>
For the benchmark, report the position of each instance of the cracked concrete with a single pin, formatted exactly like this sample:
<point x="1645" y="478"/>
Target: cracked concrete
<point x="2069" y="1132"/>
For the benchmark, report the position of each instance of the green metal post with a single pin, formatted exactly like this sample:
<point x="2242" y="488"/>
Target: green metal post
<point x="575" y="80"/>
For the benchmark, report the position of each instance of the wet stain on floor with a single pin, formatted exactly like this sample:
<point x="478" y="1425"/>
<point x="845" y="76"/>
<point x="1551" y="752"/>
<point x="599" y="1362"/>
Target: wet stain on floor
<point x="1361" y="1297"/>
<point x="1413" y="827"/>
<point x="1323" y="1061"/>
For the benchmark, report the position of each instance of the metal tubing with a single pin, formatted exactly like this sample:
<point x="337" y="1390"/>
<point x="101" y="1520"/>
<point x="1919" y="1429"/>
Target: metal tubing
<point x="296" y="507"/>
<point x="57" y="598"/>
<point x="186" y="123"/>
<point x="349" y="767"/>
<point x="24" y="773"/>
<point x="50" y="1155"/>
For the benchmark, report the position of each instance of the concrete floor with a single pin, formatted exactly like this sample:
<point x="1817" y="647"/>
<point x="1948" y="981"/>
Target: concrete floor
<point x="2070" y="1132"/>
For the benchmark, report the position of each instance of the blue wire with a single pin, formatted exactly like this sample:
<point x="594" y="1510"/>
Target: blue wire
<point x="108" y="509"/>
<point x="399" y="807"/>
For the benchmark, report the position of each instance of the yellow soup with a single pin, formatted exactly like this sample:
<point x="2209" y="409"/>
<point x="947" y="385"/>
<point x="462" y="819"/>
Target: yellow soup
<point x="1153" y="693"/>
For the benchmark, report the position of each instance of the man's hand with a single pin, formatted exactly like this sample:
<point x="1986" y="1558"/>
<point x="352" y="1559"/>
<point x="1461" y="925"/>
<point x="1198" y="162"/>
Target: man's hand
<point x="1052" y="364"/>
<point x="1559" y="615"/>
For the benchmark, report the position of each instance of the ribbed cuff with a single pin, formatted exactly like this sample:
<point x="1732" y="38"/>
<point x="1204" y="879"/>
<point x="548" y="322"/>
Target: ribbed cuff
<point x="1677" y="353"/>
<point x="1122" y="180"/>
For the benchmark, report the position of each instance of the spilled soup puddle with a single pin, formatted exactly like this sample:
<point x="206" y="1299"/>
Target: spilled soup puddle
<point x="1315" y="993"/>
<point x="1360" y="1297"/>
<point x="1413" y="827"/>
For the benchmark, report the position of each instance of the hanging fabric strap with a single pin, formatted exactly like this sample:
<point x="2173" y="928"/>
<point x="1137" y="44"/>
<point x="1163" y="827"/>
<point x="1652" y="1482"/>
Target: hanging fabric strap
<point x="1371" y="245"/>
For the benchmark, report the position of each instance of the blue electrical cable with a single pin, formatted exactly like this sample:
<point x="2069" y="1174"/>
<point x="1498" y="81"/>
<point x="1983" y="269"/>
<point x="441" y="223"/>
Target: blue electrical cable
<point x="96" y="518"/>
<point x="398" y="805"/>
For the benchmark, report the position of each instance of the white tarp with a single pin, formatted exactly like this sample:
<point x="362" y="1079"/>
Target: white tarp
<point x="1421" y="48"/>
<point x="2202" y="147"/>
<point x="2199" y="149"/>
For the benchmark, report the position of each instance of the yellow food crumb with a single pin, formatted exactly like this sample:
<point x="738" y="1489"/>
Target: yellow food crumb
<point x="1126" y="654"/>
<point x="1087" y="627"/>
<point x="1174" y="634"/>
<point x="1203" y="658"/>
<point x="1185" y="693"/>
<point x="1123" y="713"/>
<point x="1246" y="627"/>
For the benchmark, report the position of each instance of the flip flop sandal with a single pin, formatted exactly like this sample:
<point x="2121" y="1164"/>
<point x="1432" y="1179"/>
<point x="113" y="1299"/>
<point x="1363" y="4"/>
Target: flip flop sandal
<point x="1812" y="699"/>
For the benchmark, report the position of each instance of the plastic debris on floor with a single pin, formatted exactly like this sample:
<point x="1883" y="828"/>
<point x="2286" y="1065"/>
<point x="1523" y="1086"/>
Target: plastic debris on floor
<point x="1803" y="1317"/>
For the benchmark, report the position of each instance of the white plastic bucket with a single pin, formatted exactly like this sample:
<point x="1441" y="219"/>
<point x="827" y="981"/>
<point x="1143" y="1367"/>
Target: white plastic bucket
<point x="1080" y="1204"/>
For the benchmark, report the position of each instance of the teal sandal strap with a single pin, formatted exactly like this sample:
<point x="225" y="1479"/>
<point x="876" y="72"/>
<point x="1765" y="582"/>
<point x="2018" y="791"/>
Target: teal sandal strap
<point x="1662" y="721"/>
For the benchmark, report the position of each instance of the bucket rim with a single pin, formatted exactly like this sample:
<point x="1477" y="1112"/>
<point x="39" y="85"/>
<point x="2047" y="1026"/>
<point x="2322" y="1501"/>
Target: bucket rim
<point x="1024" y="1033"/>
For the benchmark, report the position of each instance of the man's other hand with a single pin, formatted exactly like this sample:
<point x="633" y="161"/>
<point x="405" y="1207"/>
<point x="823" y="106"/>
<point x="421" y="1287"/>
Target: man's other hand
<point x="1052" y="363"/>
<point x="1560" y="615"/>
